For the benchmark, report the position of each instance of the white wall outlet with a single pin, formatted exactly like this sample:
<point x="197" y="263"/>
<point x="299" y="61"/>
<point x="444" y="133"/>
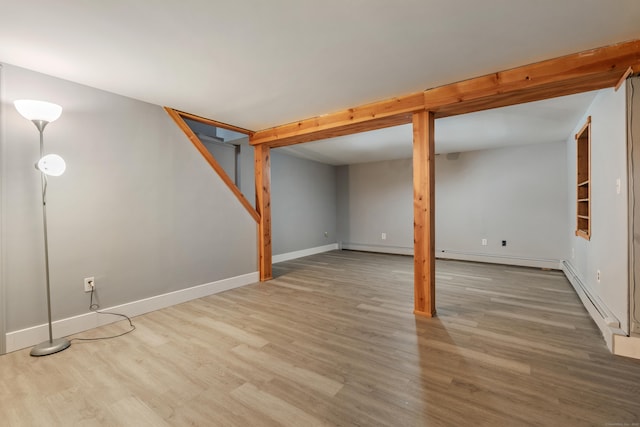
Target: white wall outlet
<point x="89" y="284"/>
<point x="326" y="234"/>
<point x="598" y="275"/>
<point x="618" y="186"/>
<point x="383" y="236"/>
<point x="484" y="242"/>
<point x="573" y="252"/>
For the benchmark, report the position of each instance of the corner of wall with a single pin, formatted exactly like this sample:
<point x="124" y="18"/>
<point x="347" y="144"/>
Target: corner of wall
<point x="2" y="215"/>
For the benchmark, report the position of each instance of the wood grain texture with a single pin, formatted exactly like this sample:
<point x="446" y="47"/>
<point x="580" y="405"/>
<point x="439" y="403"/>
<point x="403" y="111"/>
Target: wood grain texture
<point x="213" y="122"/>
<point x="177" y="118"/>
<point x="390" y="112"/>
<point x="589" y="70"/>
<point x="579" y="72"/>
<point x="624" y="77"/>
<point x="424" y="224"/>
<point x="340" y="350"/>
<point x="263" y="204"/>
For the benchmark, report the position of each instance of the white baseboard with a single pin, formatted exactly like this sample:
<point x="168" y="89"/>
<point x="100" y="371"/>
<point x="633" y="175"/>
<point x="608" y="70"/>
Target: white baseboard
<point x="28" y="337"/>
<point x="304" y="252"/>
<point x="459" y="255"/>
<point x="385" y="249"/>
<point x="499" y="259"/>
<point x="608" y="324"/>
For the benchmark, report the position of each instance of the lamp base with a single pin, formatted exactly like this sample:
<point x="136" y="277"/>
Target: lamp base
<point x="49" y="347"/>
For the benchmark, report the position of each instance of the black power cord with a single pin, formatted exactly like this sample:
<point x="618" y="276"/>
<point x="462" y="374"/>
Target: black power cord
<point x="94" y="307"/>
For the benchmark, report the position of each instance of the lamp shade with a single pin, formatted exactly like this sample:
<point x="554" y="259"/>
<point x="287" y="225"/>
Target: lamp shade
<point x="52" y="165"/>
<point x="38" y="110"/>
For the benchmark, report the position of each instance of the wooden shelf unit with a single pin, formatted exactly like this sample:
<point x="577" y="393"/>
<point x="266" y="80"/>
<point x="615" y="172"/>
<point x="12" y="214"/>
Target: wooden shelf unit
<point x="583" y="172"/>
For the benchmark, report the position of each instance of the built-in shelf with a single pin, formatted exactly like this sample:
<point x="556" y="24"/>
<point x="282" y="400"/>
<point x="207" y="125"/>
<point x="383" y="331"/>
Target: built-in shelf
<point x="583" y="179"/>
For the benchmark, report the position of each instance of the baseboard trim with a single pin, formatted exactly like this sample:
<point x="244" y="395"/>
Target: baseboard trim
<point x="608" y="324"/>
<point x="459" y="255"/>
<point x="395" y="250"/>
<point x="553" y="264"/>
<point x="28" y="337"/>
<point x="304" y="252"/>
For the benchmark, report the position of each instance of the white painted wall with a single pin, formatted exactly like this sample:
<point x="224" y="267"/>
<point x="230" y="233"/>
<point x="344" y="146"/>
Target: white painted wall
<point x="607" y="250"/>
<point x="517" y="194"/>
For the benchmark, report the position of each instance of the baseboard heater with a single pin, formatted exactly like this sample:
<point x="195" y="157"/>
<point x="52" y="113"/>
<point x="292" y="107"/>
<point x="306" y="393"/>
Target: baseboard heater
<point x="607" y="317"/>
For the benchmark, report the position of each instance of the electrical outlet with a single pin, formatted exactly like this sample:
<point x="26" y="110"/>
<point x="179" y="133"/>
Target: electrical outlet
<point x="383" y="236"/>
<point x="618" y="185"/>
<point x="326" y="234"/>
<point x="598" y="275"/>
<point x="504" y="243"/>
<point x="484" y="242"/>
<point x="89" y="284"/>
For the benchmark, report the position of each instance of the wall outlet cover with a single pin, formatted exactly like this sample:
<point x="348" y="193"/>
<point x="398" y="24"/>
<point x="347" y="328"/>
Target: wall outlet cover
<point x="88" y="281"/>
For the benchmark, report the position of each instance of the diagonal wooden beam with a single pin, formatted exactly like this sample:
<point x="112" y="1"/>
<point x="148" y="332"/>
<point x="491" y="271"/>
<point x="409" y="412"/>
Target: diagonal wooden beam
<point x="579" y="72"/>
<point x="177" y="117"/>
<point x="213" y="122"/>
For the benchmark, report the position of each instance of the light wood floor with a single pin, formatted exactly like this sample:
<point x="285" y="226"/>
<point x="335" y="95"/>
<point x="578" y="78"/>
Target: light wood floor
<point x="332" y="341"/>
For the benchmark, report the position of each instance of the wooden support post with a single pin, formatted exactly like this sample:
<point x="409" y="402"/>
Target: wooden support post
<point x="424" y="214"/>
<point x="263" y="206"/>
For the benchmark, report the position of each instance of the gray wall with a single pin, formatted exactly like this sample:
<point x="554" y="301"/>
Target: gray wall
<point x="516" y="194"/>
<point x="247" y="172"/>
<point x="225" y="155"/>
<point x="376" y="198"/>
<point x="303" y="203"/>
<point x="138" y="207"/>
<point x="607" y="250"/>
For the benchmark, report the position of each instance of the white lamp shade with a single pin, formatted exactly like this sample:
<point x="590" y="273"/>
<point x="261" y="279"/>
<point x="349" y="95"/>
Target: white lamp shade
<point x="38" y="110"/>
<point x="52" y="165"/>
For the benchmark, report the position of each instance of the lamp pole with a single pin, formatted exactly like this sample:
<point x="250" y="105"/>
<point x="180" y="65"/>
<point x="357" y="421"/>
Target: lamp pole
<point x="41" y="114"/>
<point x="40" y="124"/>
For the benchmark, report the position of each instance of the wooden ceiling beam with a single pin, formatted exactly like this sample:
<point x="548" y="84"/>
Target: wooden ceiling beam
<point x="580" y="72"/>
<point x="340" y="130"/>
<point x="538" y="93"/>
<point x="390" y="112"/>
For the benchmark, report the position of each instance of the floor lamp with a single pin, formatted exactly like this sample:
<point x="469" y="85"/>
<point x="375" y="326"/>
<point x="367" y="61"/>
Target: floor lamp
<point x="41" y="114"/>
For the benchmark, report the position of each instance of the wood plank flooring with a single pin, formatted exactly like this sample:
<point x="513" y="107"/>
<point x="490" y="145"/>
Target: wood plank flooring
<point x="331" y="341"/>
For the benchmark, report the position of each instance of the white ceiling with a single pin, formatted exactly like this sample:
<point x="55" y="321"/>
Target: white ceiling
<point x="551" y="120"/>
<point x="256" y="63"/>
